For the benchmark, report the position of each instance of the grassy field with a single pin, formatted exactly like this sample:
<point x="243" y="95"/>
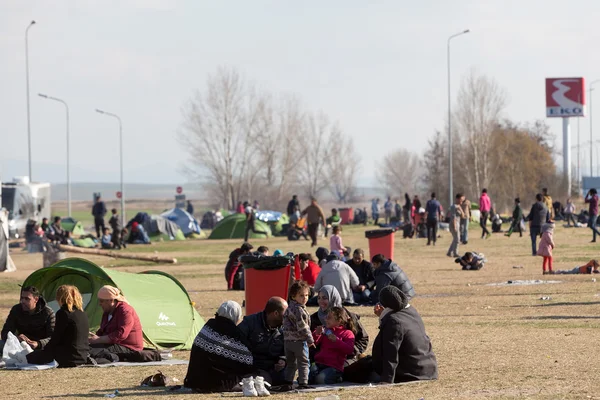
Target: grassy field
<point x="492" y="342"/>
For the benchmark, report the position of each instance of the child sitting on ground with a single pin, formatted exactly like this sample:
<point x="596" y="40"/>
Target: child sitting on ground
<point x="546" y="247"/>
<point x="471" y="261"/>
<point x="297" y="336"/>
<point x="590" y="268"/>
<point x="106" y="239"/>
<point x="332" y="221"/>
<point x="336" y="342"/>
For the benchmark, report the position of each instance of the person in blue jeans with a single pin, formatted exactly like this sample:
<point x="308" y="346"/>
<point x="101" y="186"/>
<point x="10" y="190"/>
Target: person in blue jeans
<point x="591" y="198"/>
<point x="433" y="210"/>
<point x="537" y="217"/>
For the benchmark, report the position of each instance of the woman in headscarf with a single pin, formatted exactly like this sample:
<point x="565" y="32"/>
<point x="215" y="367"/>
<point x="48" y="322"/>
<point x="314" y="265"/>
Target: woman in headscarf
<point x="330" y="297"/>
<point x="220" y="357"/>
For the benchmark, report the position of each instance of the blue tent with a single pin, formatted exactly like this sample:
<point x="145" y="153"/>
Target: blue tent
<point x="186" y="222"/>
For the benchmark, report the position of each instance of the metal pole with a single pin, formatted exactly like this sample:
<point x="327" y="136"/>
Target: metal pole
<point x="121" y="160"/>
<point x="578" y="154"/>
<point x="27" y="95"/>
<point x="450" y="174"/>
<point x="591" y="135"/>
<point x="567" y="153"/>
<point x="68" y="149"/>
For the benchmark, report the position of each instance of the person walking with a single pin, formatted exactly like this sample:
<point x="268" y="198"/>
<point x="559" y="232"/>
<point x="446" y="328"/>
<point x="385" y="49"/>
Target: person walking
<point x="314" y="216"/>
<point x="591" y="198"/>
<point x="517" y="216"/>
<point x="538" y="216"/>
<point x="455" y="213"/>
<point x="485" y="205"/>
<point x="375" y="211"/>
<point x="292" y="204"/>
<point x="407" y="207"/>
<point x="388" y="207"/>
<point x="464" y="220"/>
<point x="398" y="210"/>
<point x="569" y="211"/>
<point x="251" y="222"/>
<point x="99" y="211"/>
<point x="433" y="213"/>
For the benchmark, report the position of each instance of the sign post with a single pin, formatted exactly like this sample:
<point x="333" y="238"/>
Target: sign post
<point x="180" y="198"/>
<point x="565" y="98"/>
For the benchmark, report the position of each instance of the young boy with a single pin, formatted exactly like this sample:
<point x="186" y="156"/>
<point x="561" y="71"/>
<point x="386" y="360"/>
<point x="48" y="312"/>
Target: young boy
<point x="471" y="261"/>
<point x="106" y="239"/>
<point x="332" y="221"/>
<point x="297" y="336"/>
<point x="115" y="224"/>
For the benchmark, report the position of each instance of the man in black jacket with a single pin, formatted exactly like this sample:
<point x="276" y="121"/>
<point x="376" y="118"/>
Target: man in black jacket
<point x="265" y="337"/>
<point x="402" y="350"/>
<point x="293" y="203"/>
<point x="99" y="211"/>
<point x="537" y="217"/>
<point x="388" y="273"/>
<point x="364" y="271"/>
<point x="31" y="320"/>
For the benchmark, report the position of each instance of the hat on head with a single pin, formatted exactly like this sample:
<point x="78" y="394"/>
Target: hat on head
<point x="322" y="253"/>
<point x="230" y="310"/>
<point x="108" y="292"/>
<point x="392" y="297"/>
<point x="277" y="253"/>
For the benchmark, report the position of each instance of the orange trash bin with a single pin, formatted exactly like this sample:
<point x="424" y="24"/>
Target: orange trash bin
<point x="381" y="241"/>
<point x="347" y="215"/>
<point x="263" y="280"/>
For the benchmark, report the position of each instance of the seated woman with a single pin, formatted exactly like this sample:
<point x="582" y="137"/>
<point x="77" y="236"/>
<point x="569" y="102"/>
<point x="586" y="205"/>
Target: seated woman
<point x="402" y="350"/>
<point x="590" y="268"/>
<point x="69" y="342"/>
<point x="138" y="234"/>
<point x="329" y="297"/>
<point x="220" y="357"/>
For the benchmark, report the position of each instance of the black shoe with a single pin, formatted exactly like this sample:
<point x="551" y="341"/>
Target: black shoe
<point x="282" y="388"/>
<point x="428" y="243"/>
<point x="305" y="387"/>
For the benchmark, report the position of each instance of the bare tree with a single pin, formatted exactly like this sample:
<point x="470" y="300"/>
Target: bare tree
<point x="217" y="132"/>
<point x="400" y="171"/>
<point x="480" y="105"/>
<point x="315" y="136"/>
<point x="343" y="164"/>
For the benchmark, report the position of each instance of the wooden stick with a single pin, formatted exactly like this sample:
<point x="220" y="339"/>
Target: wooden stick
<point x="116" y="254"/>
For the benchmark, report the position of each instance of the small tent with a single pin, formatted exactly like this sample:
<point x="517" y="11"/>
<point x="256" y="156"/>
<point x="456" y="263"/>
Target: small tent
<point x="234" y="227"/>
<point x="157" y="227"/>
<point x="166" y="312"/>
<point x="186" y="221"/>
<point x="73" y="226"/>
<point x="275" y="220"/>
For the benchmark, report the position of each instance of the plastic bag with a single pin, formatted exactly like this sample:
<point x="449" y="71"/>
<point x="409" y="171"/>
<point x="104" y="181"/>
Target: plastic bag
<point x="15" y="352"/>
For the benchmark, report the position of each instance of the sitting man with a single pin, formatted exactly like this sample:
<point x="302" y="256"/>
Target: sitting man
<point x="471" y="261"/>
<point x="389" y="273"/>
<point x="138" y="234"/>
<point x="332" y="221"/>
<point x="120" y="335"/>
<point x="31" y="320"/>
<point x="234" y="274"/>
<point x="364" y="271"/>
<point x="265" y="337"/>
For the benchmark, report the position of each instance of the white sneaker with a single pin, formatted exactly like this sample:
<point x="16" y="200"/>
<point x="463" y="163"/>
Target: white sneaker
<point x="248" y="387"/>
<point x="259" y="385"/>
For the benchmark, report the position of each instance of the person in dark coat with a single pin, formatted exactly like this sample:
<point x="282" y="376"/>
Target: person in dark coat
<point x="538" y="216"/>
<point x="389" y="273"/>
<point x="517" y="216"/>
<point x="99" y="211"/>
<point x="190" y="208"/>
<point x="117" y="229"/>
<point x="263" y="333"/>
<point x="329" y="297"/>
<point x="31" y="320"/>
<point x="234" y="272"/>
<point x="364" y="271"/>
<point x="402" y="350"/>
<point x="293" y="204"/>
<point x="69" y="342"/>
<point x="220" y="356"/>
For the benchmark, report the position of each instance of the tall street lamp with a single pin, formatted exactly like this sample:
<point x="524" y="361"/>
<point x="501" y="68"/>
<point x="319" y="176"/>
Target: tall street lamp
<point x="451" y="200"/>
<point x="68" y="150"/>
<point x="27" y="93"/>
<point x="121" y="157"/>
<point x="591" y="135"/>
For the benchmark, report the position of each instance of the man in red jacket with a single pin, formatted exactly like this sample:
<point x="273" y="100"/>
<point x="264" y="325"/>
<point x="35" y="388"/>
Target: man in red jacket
<point x="120" y="334"/>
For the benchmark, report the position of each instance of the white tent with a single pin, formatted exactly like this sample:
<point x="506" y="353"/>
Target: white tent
<point x="6" y="263"/>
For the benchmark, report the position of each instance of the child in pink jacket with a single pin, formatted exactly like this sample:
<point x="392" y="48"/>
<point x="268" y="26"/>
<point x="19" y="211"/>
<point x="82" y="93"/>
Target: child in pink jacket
<point x="335" y="342"/>
<point x="546" y="247"/>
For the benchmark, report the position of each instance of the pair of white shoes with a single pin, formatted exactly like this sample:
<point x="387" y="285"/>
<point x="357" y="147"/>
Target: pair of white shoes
<point x="254" y="387"/>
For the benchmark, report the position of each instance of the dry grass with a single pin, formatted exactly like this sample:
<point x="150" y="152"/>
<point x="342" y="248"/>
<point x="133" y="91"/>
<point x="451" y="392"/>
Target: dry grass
<point x="491" y="342"/>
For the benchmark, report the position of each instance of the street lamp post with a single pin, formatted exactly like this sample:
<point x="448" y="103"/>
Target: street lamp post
<point x="591" y="135"/>
<point x="27" y="93"/>
<point x="68" y="150"/>
<point x="121" y="158"/>
<point x="451" y="200"/>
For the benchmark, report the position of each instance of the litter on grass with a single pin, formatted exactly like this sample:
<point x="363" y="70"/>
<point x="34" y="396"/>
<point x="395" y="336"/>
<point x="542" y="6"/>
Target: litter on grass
<point x="522" y="283"/>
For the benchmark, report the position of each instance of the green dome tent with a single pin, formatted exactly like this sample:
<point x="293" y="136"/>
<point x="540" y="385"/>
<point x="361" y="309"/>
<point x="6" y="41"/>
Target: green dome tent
<point x="234" y="227"/>
<point x="166" y="312"/>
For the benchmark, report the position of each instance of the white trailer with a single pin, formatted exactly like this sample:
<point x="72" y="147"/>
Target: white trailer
<point x="24" y="201"/>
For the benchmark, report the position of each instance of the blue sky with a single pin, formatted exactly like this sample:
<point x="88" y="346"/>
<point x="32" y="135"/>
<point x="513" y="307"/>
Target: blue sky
<point x="378" y="67"/>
